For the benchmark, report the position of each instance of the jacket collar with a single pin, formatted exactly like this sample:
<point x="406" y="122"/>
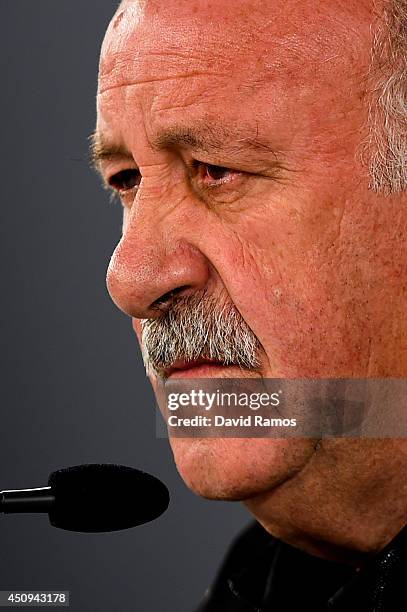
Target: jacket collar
<point x="281" y="577"/>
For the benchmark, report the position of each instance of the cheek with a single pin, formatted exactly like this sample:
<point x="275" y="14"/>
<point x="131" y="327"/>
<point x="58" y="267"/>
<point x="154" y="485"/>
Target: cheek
<point x="287" y="276"/>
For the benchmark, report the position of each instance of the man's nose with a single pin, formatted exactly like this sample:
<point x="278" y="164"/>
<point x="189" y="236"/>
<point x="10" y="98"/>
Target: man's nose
<point x="145" y="273"/>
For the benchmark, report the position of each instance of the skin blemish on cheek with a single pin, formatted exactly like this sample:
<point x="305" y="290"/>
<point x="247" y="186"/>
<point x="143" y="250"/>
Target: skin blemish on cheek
<point x="277" y="294"/>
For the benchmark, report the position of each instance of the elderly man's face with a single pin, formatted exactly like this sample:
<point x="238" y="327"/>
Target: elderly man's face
<point x="232" y="131"/>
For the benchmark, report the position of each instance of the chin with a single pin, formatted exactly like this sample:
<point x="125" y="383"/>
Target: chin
<point x="237" y="469"/>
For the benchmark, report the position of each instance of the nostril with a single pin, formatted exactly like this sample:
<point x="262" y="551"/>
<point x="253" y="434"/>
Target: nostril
<point x="167" y="298"/>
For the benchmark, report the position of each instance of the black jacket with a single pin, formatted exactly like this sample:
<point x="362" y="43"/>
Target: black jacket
<point x="262" y="574"/>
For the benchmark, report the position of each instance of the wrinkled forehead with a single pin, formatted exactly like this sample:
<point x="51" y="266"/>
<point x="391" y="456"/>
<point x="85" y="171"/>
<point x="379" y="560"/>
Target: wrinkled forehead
<point x="245" y="34"/>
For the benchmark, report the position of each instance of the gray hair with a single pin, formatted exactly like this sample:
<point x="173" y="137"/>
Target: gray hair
<point x="388" y="106"/>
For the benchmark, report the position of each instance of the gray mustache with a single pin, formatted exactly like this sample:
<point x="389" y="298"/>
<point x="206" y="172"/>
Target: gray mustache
<point x="198" y="326"/>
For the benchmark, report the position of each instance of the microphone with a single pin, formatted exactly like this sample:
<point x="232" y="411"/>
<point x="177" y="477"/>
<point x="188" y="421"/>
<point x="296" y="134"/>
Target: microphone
<point x="93" y="498"/>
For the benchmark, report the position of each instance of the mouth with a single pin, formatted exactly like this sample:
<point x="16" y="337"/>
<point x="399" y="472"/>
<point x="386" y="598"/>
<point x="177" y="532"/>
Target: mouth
<point x="205" y="368"/>
<point x="194" y="368"/>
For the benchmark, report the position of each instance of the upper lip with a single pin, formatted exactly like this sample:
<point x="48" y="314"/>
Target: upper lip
<point x="182" y="364"/>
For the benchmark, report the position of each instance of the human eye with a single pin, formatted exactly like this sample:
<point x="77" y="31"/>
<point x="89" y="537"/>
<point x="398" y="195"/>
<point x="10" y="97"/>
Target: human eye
<point x="124" y="181"/>
<point x="210" y="176"/>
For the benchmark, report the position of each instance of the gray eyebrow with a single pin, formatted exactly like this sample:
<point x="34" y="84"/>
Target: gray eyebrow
<point x="198" y="139"/>
<point x="101" y="149"/>
<point x="207" y="138"/>
<point x="201" y="138"/>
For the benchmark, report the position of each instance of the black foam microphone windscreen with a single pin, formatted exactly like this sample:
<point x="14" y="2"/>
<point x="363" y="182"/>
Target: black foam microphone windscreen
<point x="105" y="497"/>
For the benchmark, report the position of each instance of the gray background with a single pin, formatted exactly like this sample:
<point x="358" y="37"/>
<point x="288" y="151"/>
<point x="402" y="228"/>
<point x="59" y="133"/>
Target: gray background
<point x="73" y="388"/>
